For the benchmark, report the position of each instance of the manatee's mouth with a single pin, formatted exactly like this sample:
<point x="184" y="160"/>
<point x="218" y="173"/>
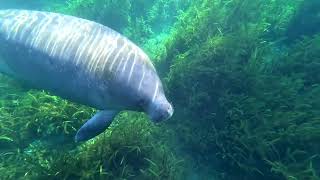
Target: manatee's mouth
<point x="162" y="113"/>
<point x="170" y="112"/>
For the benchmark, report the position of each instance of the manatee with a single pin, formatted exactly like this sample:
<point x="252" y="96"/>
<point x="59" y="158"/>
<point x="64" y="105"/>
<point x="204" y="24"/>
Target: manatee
<point x="84" y="62"/>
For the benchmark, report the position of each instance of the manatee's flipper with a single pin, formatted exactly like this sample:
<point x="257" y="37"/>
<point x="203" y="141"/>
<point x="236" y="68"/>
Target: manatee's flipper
<point x="95" y="126"/>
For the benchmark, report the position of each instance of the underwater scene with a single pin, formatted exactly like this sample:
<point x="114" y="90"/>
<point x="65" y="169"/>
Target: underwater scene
<point x="160" y="89"/>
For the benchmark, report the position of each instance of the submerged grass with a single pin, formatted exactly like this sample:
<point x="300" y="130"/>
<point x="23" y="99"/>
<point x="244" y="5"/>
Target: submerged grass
<point x="243" y="93"/>
<point x="41" y="142"/>
<point x="246" y="99"/>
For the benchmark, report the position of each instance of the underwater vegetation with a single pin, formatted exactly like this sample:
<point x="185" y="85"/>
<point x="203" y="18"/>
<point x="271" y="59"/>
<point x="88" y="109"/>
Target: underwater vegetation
<point x="305" y="21"/>
<point x="243" y="79"/>
<point x="249" y="100"/>
<point x="37" y="141"/>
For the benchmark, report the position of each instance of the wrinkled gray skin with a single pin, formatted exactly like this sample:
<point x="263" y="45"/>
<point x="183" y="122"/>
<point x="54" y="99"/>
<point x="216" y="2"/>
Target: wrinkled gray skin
<point x="82" y="61"/>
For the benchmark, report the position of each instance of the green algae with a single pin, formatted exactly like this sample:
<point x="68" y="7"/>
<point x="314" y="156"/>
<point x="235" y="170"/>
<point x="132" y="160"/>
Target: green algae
<point x="32" y="124"/>
<point x="234" y="82"/>
<point x="246" y="107"/>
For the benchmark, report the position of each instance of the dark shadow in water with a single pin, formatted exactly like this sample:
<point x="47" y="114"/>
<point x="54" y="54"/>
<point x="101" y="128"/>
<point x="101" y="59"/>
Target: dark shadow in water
<point x="306" y="21"/>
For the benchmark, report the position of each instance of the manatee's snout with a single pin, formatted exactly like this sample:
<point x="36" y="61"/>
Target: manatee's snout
<point x="160" y="110"/>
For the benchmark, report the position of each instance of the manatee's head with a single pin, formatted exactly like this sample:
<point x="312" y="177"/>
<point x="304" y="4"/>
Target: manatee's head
<point x="145" y="90"/>
<point x="156" y="104"/>
<point x="160" y="109"/>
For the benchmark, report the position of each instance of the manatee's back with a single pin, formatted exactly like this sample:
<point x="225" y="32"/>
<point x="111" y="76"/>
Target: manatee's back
<point x="51" y="50"/>
<point x="56" y="37"/>
<point x="84" y="44"/>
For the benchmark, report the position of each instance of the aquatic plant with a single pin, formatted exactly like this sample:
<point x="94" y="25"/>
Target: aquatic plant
<point x="304" y="22"/>
<point x="139" y="20"/>
<point x="125" y="150"/>
<point x="30" y="114"/>
<point x="38" y="128"/>
<point x="246" y="104"/>
<point x="234" y="82"/>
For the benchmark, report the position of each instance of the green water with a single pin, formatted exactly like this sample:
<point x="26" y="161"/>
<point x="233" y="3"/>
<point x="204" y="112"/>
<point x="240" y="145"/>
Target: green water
<point x="32" y="4"/>
<point x="242" y="75"/>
